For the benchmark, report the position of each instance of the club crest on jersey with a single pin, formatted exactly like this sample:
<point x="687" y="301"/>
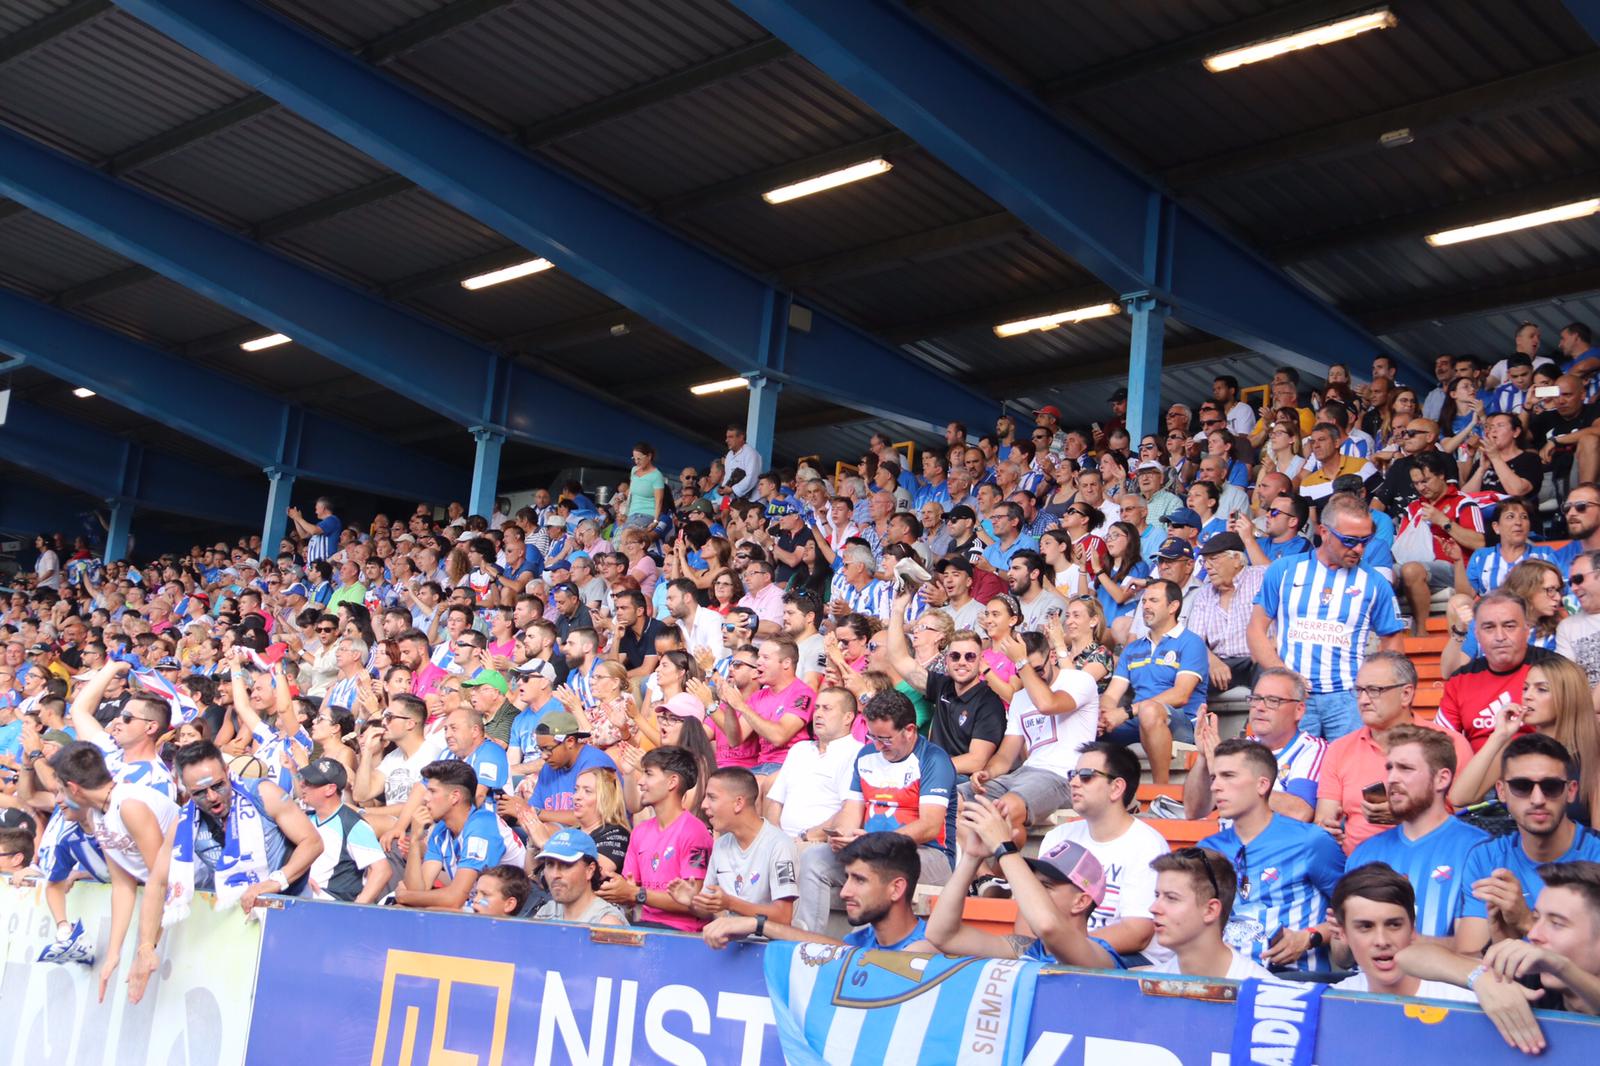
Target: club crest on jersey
<point x="657" y="860"/>
<point x="1442" y="873"/>
<point x="1269" y="875"/>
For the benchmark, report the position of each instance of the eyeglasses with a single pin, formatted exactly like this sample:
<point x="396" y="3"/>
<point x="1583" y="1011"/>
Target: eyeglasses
<point x="1554" y="590"/>
<point x="1351" y="542"/>
<point x="881" y="741"/>
<point x="1577" y="505"/>
<point x="1272" y="703"/>
<point x="961" y="656"/>
<point x="744" y="663"/>
<point x="390" y="716"/>
<point x="1372" y="692"/>
<point x="1549" y="787"/>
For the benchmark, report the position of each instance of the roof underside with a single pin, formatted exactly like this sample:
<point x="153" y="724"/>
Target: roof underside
<point x="687" y="110"/>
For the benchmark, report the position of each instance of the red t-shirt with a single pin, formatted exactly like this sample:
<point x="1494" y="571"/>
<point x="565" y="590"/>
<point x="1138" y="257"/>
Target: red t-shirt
<point x="798" y="699"/>
<point x="1474" y="694"/>
<point x="1461" y="510"/>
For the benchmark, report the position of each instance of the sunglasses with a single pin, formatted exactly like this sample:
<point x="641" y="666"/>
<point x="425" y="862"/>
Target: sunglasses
<point x="390" y="716"/>
<point x="1199" y="855"/>
<point x="126" y="718"/>
<point x="1413" y="433"/>
<point x="1351" y="542"/>
<point x="327" y="629"/>
<point x="1241" y="864"/>
<point x="1549" y="787"/>
<point x="1577" y="505"/>
<point x="1084" y="774"/>
<point x="1577" y="580"/>
<point x="961" y="656"/>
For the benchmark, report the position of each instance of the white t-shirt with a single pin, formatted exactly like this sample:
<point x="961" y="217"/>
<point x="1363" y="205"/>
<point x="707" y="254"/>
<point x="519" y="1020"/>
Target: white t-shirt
<point x="1053" y="739"/>
<point x="1241" y="968"/>
<point x="400" y="773"/>
<point x="364" y="850"/>
<point x="111" y="832"/>
<point x="49" y="562"/>
<point x="1047" y="604"/>
<point x="763" y="873"/>
<point x="966" y="616"/>
<point x="1425" y="990"/>
<point x="1130" y="883"/>
<point x="703" y="630"/>
<point x="812" y="784"/>
<point x="813" y="657"/>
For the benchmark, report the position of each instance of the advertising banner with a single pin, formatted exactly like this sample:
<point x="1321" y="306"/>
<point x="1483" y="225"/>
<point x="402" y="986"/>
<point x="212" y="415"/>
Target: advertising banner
<point x="386" y="987"/>
<point x="194" y="1014"/>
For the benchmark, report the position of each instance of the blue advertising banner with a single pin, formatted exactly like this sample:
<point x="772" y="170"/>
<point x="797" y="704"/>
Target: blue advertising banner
<point x="381" y="986"/>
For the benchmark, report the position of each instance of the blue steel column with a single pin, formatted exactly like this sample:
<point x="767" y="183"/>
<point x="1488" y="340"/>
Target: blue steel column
<point x="485" y="471"/>
<point x="762" y="420"/>
<point x="280" y="486"/>
<point x="1149" y="317"/>
<point x="118" y="530"/>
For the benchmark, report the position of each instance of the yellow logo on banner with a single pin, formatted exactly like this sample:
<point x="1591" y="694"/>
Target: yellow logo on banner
<point x="446" y="970"/>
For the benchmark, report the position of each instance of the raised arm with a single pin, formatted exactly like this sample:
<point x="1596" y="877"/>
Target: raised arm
<point x="899" y="651"/>
<point x="87" y="701"/>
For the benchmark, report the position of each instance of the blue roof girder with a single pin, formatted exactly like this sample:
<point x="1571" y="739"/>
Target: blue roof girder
<point x="403" y="351"/>
<point x="211" y="407"/>
<point x="26" y="511"/>
<point x="1118" y="224"/>
<point x="688" y="291"/>
<point x="91" y="460"/>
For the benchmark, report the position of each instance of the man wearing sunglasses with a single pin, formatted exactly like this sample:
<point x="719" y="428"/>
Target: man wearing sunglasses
<point x="1396" y="491"/>
<point x="1286" y="517"/>
<point x="1538" y="780"/>
<point x="1578" y="636"/>
<point x="1324" y="606"/>
<point x="1581" y="509"/>
<point x="130" y="743"/>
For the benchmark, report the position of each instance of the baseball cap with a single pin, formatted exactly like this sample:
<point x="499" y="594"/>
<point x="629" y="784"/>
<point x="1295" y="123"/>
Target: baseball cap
<point x="569" y="845"/>
<point x="168" y="663"/>
<point x="324" y="772"/>
<point x="961" y="512"/>
<point x="493" y="678"/>
<point x="16" y="818"/>
<point x="1183" y="516"/>
<point x="1222" y="542"/>
<point x="1149" y="464"/>
<point x="1118" y="395"/>
<point x="683" y="705"/>
<point x="57" y="736"/>
<point x="703" y="507"/>
<point x="1069" y="862"/>
<point x="405" y="538"/>
<point x="1175" y="548"/>
<point x="536" y="666"/>
<point x="560" y="724"/>
<point x="779" y="506"/>
<point x="553" y="519"/>
<point x="1049" y="409"/>
<point x="41" y="647"/>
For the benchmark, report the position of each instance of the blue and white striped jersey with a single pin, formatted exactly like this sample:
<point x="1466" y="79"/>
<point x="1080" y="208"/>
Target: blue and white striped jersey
<point x="1487" y="568"/>
<point x="873" y="599"/>
<point x="1507" y="399"/>
<point x="150" y="772"/>
<point x="1434" y="863"/>
<point x="1324" y="615"/>
<point x="66" y="847"/>
<point x="1286" y="878"/>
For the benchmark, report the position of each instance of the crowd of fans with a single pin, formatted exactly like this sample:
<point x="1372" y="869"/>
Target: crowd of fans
<point x="737" y="701"/>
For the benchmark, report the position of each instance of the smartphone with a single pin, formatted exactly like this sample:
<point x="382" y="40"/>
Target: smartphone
<point x="1375" y="793"/>
<point x="1546" y="392"/>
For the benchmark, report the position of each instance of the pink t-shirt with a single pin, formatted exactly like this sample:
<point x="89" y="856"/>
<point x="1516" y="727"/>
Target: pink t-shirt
<point x="798" y="699"/>
<point x="644" y="572"/>
<point x="657" y="857"/>
<point x="427" y="679"/>
<point x="747" y="754"/>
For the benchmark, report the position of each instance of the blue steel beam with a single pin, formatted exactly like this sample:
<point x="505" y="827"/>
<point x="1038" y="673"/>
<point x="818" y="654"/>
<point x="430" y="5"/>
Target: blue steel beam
<point x="413" y="356"/>
<point x="1587" y="12"/>
<point x="672" y="282"/>
<point x="211" y="407"/>
<point x="82" y="457"/>
<point x="28" y="510"/>
<point x="1117" y="223"/>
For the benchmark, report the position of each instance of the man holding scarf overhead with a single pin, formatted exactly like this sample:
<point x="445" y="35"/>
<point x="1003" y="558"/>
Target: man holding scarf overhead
<point x="239" y="838"/>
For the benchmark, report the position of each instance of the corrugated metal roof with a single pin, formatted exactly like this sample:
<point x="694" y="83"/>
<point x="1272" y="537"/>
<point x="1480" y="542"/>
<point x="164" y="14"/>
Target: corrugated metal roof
<point x="515" y="307"/>
<point x="52" y="257"/>
<point x="259" y="169"/>
<point x="541" y="58"/>
<point x="110" y="84"/>
<point x="19" y="14"/>
<point x="353" y="23"/>
<point x="163" y="312"/>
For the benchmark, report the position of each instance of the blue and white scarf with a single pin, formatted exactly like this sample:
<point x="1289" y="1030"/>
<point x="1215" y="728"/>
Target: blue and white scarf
<point x="243" y="862"/>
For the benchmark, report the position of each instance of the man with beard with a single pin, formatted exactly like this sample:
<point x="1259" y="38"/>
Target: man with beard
<point x="1429" y="846"/>
<point x="1040" y="601"/>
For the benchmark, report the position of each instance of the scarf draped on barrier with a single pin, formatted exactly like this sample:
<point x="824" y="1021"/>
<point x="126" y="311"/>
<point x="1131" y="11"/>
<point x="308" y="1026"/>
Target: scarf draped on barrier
<point x="243" y="861"/>
<point x="1276" y="1022"/>
<point x="838" y="1005"/>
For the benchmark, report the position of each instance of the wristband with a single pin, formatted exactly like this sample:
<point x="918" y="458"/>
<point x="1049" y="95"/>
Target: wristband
<point x="1472" y="978"/>
<point x="279" y="878"/>
<point x="761" y="925"/>
<point x="1007" y="848"/>
<point x="63" y="932"/>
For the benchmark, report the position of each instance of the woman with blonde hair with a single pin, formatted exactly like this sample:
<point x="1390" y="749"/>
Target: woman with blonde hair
<point x="1556" y="701"/>
<point x="457" y="568"/>
<point x="1079" y="639"/>
<point x="1281" y="452"/>
<point x="598" y="803"/>
<point x="614" y="716"/>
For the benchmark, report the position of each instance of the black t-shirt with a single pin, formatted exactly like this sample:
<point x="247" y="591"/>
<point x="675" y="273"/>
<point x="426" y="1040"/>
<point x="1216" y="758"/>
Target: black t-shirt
<point x="958" y="720"/>
<point x="611" y="841"/>
<point x="634" y="649"/>
<point x="109" y="709"/>
<point x="1396" y="490"/>
<point x="790" y="542"/>
<point x="1524" y="464"/>
<point x="1546" y="424"/>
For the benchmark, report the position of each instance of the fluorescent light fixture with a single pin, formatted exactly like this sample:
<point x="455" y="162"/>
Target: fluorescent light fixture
<point x="832" y="180"/>
<point x="1563" y="213"/>
<point x="505" y="274"/>
<point x="1328" y="33"/>
<point x="83" y="394"/>
<point x="1044" y="322"/>
<point x="260" y="344"/>
<point x="725" y="385"/>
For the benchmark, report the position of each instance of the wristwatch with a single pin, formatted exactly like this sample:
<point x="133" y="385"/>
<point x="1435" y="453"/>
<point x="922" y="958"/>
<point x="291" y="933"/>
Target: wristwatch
<point x="642" y="895"/>
<point x="1008" y="848"/>
<point x="279" y="878"/>
<point x="761" y="925"/>
<point x="1316" y="940"/>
